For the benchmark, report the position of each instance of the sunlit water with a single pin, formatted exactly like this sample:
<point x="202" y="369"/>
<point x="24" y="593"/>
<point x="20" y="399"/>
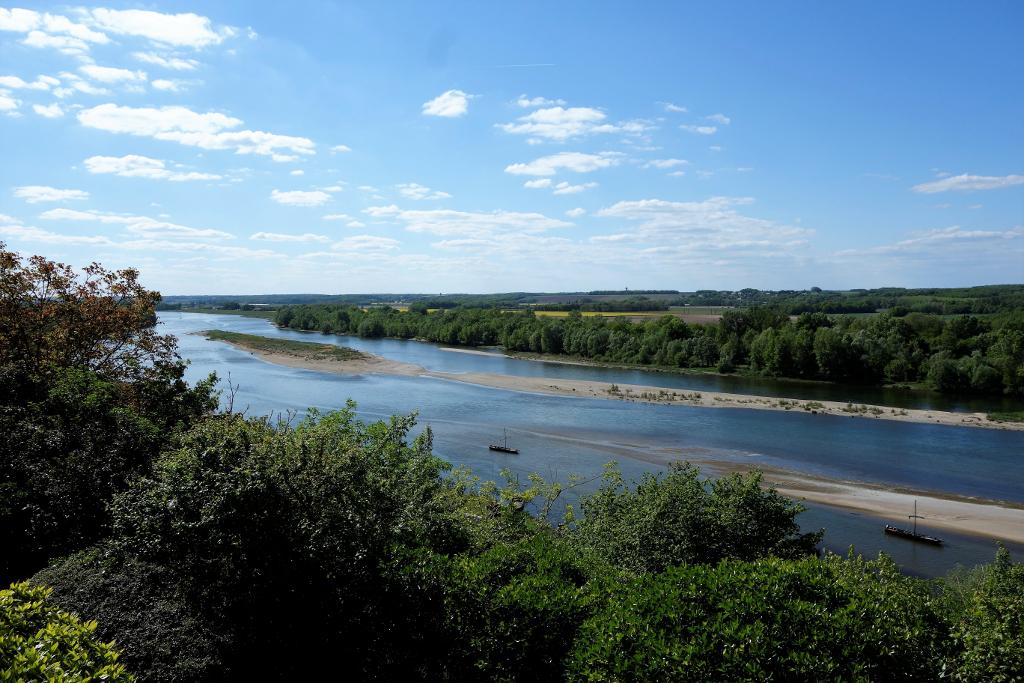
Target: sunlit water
<point x="560" y="435"/>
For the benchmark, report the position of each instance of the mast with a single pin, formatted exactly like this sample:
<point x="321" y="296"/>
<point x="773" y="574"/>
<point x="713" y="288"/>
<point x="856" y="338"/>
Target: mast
<point x="915" y="516"/>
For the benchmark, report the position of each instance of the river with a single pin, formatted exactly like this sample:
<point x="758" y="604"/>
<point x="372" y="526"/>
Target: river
<point x="561" y="435"/>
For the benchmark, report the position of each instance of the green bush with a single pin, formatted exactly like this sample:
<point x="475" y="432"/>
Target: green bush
<point x="676" y="519"/>
<point x="38" y="642"/>
<point x="772" y="619"/>
<point x="138" y="604"/>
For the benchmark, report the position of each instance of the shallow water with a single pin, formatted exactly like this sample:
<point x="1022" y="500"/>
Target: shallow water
<point x="561" y="435"/>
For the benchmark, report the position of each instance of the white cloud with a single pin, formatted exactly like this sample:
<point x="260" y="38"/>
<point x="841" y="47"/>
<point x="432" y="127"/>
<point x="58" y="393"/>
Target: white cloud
<point x="716" y="148"/>
<point x="671" y="107"/>
<point x="665" y="163"/>
<point x="76" y="82"/>
<point x="134" y="166"/>
<point x="187" y="127"/>
<point x="540" y="182"/>
<point x="173" y="84"/>
<point x="677" y="174"/>
<point x="33" y="234"/>
<point x="172" y="63"/>
<point x="718" y="118"/>
<point x="300" y="198"/>
<point x="340" y="148"/>
<point x="8" y="103"/>
<point x="574" y="161"/>
<point x="108" y="74"/>
<point x="366" y="242"/>
<point x="560" y="124"/>
<point x="52" y="111"/>
<point x="337" y="216"/>
<point x="274" y="237"/>
<point x="41" y="193"/>
<point x="566" y="188"/>
<point x="41" y="83"/>
<point x="703" y="130"/>
<point x="179" y="30"/>
<point x="636" y="126"/>
<point x="451" y="103"/>
<point x="60" y="24"/>
<point x="65" y="44"/>
<point x="969" y="183"/>
<point x="142" y="226"/>
<point x="20" y="20"/>
<point x="356" y="224"/>
<point x="298" y="172"/>
<point x="575" y="212"/>
<point x="414" y="191"/>
<point x="369" y="188"/>
<point x="700" y="229"/>
<point x="335" y="188"/>
<point x="447" y="223"/>
<point x="280" y="158"/>
<point x="525" y="101"/>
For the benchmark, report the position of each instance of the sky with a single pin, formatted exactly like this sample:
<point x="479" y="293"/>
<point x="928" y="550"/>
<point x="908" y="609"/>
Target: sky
<point x="330" y="147"/>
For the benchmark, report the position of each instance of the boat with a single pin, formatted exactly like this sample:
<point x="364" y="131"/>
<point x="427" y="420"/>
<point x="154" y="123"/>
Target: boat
<point x="913" y="535"/>
<point x="505" y="448"/>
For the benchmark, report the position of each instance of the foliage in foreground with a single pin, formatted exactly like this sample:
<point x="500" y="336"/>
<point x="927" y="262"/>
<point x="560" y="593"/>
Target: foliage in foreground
<point x="39" y="642"/>
<point x="337" y="536"/>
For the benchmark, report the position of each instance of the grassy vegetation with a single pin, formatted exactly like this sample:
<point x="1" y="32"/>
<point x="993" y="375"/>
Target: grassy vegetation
<point x="1007" y="417"/>
<point x="271" y="345"/>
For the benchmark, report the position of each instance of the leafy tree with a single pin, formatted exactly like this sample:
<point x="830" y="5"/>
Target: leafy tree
<point x="677" y="519"/>
<point x="103" y="322"/>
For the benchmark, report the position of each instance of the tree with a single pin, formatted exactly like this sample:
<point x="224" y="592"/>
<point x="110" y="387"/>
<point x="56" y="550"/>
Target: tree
<point x="102" y="322"/>
<point x="679" y="519"/>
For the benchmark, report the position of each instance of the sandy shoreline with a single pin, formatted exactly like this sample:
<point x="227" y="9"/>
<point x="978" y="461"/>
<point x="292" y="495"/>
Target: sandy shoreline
<point x="996" y="519"/>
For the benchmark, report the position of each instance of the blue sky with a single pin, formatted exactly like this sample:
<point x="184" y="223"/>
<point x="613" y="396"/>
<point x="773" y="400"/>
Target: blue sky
<point x="244" y="148"/>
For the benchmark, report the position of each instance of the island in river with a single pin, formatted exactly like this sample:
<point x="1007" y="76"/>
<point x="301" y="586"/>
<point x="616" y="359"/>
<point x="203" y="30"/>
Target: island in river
<point x="967" y="514"/>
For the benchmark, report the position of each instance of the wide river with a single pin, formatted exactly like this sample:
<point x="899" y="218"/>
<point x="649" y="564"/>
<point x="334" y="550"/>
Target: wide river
<point x="558" y="435"/>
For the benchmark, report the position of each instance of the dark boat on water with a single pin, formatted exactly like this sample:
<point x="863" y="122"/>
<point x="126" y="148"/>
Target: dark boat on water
<point x="505" y="448"/>
<point x="913" y="535"/>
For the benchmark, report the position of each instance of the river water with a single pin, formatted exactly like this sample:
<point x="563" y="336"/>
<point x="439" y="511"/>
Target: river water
<point x="558" y="436"/>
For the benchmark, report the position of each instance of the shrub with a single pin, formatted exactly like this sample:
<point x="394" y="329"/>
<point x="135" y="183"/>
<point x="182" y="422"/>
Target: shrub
<point x="41" y="643"/>
<point x="765" y="620"/>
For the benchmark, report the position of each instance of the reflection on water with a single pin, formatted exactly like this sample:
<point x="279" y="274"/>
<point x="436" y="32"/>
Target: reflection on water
<point x="558" y="436"/>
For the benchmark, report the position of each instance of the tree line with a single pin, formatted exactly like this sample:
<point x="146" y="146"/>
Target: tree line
<point x="962" y="354"/>
<point x="154" y="536"/>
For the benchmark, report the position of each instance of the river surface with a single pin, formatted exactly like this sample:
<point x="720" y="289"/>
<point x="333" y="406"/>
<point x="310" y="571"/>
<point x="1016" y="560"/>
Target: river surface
<point x="558" y="435"/>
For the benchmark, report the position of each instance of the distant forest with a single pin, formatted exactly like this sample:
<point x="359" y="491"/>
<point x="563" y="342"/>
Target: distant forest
<point x="989" y="299"/>
<point x="965" y="353"/>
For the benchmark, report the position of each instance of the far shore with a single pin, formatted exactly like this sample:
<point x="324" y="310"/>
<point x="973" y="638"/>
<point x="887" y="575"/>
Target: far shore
<point x="993" y="518"/>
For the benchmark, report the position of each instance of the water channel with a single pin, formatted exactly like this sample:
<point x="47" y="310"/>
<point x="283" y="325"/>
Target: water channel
<point x="560" y="435"/>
